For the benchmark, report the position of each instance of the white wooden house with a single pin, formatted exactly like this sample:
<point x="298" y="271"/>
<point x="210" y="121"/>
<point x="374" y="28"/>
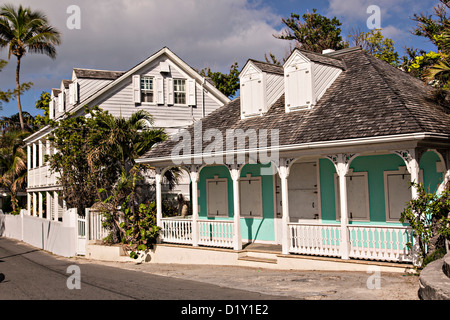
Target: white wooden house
<point x="351" y="133"/>
<point x="164" y="85"/>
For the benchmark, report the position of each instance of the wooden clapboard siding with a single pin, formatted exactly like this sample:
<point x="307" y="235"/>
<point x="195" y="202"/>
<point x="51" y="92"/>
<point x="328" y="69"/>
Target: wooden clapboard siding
<point x="275" y="87"/>
<point x="87" y="87"/>
<point x="324" y="76"/>
<point x="119" y="99"/>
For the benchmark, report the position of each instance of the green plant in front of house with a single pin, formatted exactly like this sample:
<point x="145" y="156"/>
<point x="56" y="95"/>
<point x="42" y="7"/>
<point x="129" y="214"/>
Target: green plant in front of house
<point x="141" y="231"/>
<point x="428" y="216"/>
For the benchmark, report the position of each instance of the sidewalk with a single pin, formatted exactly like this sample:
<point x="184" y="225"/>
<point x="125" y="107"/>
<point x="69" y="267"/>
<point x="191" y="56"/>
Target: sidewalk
<point x="308" y="285"/>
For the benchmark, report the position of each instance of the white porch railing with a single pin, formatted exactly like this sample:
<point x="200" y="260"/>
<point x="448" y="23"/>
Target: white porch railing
<point x="42" y="177"/>
<point x="211" y="233"/>
<point x="386" y="243"/>
<point x="215" y="233"/>
<point x="176" y="230"/>
<point x="315" y="239"/>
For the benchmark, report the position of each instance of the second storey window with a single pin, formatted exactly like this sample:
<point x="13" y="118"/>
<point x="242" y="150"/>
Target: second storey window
<point x="147" y="89"/>
<point x="179" y="91"/>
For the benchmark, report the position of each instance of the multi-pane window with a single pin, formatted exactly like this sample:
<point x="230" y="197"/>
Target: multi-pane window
<point x="179" y="91"/>
<point x="147" y="89"/>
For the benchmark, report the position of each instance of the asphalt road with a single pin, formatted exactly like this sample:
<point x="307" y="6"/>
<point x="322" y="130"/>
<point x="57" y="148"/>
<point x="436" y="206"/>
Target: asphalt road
<point x="31" y="274"/>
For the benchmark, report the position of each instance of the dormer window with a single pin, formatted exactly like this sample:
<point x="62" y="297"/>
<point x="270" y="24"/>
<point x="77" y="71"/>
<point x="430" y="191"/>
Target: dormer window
<point x="298" y="84"/>
<point x="261" y="84"/>
<point x="307" y="76"/>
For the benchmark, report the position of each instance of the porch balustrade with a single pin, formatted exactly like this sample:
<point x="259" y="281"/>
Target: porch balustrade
<point x="42" y="177"/>
<point x="314" y="239"/>
<point x="384" y="243"/>
<point x="380" y="243"/>
<point x="210" y="233"/>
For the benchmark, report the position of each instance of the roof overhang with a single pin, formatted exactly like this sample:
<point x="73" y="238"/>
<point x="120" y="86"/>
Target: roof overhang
<point x="412" y="138"/>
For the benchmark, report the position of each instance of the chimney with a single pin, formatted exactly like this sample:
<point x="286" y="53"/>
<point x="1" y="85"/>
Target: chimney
<point x="327" y="51"/>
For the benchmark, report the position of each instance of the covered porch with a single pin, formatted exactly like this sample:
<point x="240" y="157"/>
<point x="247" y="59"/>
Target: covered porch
<point x="297" y="203"/>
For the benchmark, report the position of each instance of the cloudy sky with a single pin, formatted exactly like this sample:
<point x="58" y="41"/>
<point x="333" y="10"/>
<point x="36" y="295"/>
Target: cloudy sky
<point x="118" y="34"/>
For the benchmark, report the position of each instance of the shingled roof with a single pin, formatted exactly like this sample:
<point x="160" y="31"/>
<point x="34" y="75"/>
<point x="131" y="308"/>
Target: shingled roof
<point x="369" y="99"/>
<point x="97" y="74"/>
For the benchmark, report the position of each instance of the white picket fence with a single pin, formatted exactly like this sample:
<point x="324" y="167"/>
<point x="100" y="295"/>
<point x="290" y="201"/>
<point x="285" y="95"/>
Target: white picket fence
<point x="94" y="225"/>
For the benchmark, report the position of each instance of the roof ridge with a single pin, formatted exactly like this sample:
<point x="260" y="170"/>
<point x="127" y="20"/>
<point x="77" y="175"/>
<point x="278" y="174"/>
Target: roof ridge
<point x="265" y="62"/>
<point x="103" y="70"/>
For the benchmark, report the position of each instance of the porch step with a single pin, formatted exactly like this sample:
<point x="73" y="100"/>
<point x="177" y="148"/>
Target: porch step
<point x="257" y="259"/>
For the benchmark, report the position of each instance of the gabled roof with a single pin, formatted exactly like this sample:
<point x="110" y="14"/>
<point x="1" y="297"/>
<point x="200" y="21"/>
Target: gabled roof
<point x="322" y="58"/>
<point x="66" y="83"/>
<point x="188" y="69"/>
<point x="267" y="67"/>
<point x="97" y="74"/>
<point x="369" y="99"/>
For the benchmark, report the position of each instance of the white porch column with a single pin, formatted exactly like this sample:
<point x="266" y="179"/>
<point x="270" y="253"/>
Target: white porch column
<point x="40" y="201"/>
<point x="194" y="174"/>
<point x="49" y="205"/>
<point x="28" y="157"/>
<point x="283" y="172"/>
<point x="56" y="205"/>
<point x="412" y="164"/>
<point x="29" y="202"/>
<point x="237" y="239"/>
<point x="158" y="178"/>
<point x="35" y="204"/>
<point x="34" y="160"/>
<point x="342" y="163"/>
<point x="41" y="153"/>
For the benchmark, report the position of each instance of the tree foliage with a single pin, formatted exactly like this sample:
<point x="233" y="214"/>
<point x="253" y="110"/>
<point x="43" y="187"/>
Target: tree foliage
<point x="315" y="33"/>
<point x="43" y="104"/>
<point x="23" y="30"/>
<point x="13" y="164"/>
<point x="377" y="45"/>
<point x="227" y="83"/>
<point x="96" y="162"/>
<point x="428" y="216"/>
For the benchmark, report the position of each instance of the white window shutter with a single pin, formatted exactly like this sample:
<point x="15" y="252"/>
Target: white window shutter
<point x="304" y="87"/>
<point x="191" y="97"/>
<point x="71" y="100"/>
<point x="51" y="108"/>
<point x="257" y="96"/>
<point x="136" y="88"/>
<point x="159" y="90"/>
<point x="246" y="98"/>
<point x="169" y="91"/>
<point x="75" y="93"/>
<point x="61" y="101"/>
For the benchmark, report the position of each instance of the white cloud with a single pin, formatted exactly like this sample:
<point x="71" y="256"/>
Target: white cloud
<point x="118" y="34"/>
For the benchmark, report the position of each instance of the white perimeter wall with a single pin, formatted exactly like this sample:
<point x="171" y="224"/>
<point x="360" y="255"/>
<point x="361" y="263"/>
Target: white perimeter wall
<point x="53" y="236"/>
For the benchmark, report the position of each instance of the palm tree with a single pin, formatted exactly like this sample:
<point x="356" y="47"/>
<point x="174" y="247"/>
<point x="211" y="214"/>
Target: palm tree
<point x="116" y="144"/>
<point x="13" y="163"/>
<point x="23" y="30"/>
